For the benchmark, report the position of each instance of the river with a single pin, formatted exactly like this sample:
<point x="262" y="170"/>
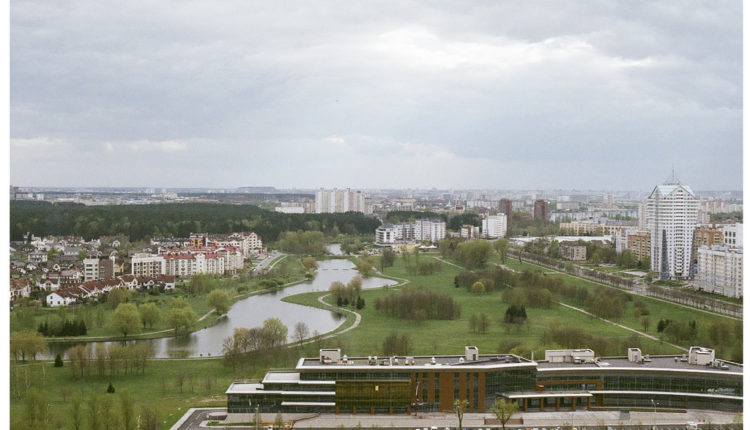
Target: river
<point x="252" y="311"/>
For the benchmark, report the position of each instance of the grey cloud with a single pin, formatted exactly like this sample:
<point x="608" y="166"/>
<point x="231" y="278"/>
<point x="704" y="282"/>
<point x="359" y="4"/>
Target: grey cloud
<point x="508" y="85"/>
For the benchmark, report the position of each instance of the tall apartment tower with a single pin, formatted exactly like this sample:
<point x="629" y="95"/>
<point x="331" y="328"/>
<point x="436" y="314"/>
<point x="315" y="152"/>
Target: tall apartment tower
<point x="672" y="212"/>
<point x="506" y="207"/>
<point x="541" y="209"/>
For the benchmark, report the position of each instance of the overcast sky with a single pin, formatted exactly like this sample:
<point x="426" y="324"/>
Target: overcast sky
<point x="511" y="94"/>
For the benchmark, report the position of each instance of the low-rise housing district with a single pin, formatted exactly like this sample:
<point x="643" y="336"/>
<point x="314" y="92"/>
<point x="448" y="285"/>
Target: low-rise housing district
<point x="81" y="270"/>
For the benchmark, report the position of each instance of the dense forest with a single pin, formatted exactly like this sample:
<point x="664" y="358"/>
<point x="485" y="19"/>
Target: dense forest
<point x="174" y="219"/>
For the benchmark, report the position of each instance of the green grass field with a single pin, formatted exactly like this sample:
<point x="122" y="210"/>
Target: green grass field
<point x="450" y="336"/>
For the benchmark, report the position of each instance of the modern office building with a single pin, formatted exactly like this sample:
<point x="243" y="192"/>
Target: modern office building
<point x="541" y="209"/>
<point x="672" y="214"/>
<point x="565" y="380"/>
<point x="494" y="226"/>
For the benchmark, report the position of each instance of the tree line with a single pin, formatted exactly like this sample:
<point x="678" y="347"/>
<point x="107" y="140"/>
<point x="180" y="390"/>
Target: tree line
<point x="246" y="341"/>
<point x="349" y="294"/>
<point x="112" y="359"/>
<point x="419" y="304"/>
<point x="139" y="222"/>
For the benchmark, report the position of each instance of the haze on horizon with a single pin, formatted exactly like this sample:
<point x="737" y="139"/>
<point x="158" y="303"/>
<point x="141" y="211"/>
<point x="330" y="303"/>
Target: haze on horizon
<point x="511" y="95"/>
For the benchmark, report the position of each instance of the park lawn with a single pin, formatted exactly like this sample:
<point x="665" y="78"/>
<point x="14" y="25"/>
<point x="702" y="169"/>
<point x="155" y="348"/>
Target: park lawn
<point x="658" y="309"/>
<point x="158" y="387"/>
<point x="450" y="336"/>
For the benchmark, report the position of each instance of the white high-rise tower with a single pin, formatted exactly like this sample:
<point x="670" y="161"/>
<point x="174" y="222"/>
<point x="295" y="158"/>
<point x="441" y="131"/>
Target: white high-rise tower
<point x="672" y="212"/>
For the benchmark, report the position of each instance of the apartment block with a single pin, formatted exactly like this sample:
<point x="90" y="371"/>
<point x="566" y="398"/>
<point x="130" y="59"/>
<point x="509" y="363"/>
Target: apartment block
<point x="720" y="270"/>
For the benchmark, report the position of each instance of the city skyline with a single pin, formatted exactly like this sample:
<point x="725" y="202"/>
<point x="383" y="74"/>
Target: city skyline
<point x="511" y="95"/>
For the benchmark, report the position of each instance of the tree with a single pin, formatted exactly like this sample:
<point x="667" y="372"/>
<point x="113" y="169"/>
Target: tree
<point x="474" y="254"/>
<point x="459" y="407"/>
<point x="127" y="411"/>
<point x="278" y="423"/>
<point x="503" y="410"/>
<point x="82" y="255"/>
<point x="58" y="361"/>
<point x="117" y="296"/>
<point x="645" y="322"/>
<point x="106" y="410"/>
<point x="274" y="332"/>
<point x="365" y="265"/>
<point x="219" y="300"/>
<point x="501" y="247"/>
<point x="150" y="314"/>
<point x="309" y="263"/>
<point x="478" y="288"/>
<point x="27" y="344"/>
<point x="94" y="413"/>
<point x="387" y="259"/>
<point x="76" y="411"/>
<point x="149" y="417"/>
<point x="181" y="319"/>
<point x="301" y="331"/>
<point x="126" y="319"/>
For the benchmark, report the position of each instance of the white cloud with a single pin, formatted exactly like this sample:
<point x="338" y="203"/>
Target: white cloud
<point x="161" y="146"/>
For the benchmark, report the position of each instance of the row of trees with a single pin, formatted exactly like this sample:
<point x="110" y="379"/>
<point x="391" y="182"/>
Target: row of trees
<point x="473" y="254"/>
<point x="419" y="304"/>
<point x="113" y="358"/>
<point x="94" y="412"/>
<point x="138" y="222"/>
<point x="303" y="242"/>
<point x="348" y="294"/>
<point x="245" y="341"/>
<point x="479" y="323"/>
<point x="396" y="344"/>
<point x="67" y="328"/>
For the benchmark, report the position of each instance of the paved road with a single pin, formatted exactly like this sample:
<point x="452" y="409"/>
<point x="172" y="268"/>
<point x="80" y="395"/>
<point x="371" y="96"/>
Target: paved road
<point x="195" y="419"/>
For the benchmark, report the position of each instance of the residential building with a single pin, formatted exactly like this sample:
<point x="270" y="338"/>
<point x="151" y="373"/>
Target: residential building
<point x="642" y="216"/>
<point x="469" y="231"/>
<point x="541" y="209"/>
<point x="37" y="257"/>
<point x="429" y="230"/>
<point x="494" y="226"/>
<point x="639" y="243"/>
<point x="90" y="269"/>
<point x="732" y="235"/>
<point x="148" y="265"/>
<point x="339" y="201"/>
<point x="20" y="287"/>
<point x="581" y="228"/>
<point x="568" y="380"/>
<point x="672" y="211"/>
<point x="573" y="251"/>
<point x="608" y="201"/>
<point x="707" y="235"/>
<point x="720" y="270"/>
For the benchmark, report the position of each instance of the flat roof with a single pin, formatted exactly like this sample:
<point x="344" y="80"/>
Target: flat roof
<point x="667" y="363"/>
<point x="549" y="394"/>
<point x="420" y="362"/>
<point x="243" y="387"/>
<point x="273" y="377"/>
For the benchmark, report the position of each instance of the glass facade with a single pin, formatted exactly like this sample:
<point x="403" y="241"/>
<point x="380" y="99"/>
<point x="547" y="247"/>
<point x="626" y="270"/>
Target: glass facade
<point x="406" y="389"/>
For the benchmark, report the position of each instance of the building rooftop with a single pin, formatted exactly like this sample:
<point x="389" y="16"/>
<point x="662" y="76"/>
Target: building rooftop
<point x="374" y="362"/>
<point x="656" y="363"/>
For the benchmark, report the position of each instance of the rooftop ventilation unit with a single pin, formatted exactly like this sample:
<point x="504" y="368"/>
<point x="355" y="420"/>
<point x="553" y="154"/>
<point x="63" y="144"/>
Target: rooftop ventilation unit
<point x="433" y="361"/>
